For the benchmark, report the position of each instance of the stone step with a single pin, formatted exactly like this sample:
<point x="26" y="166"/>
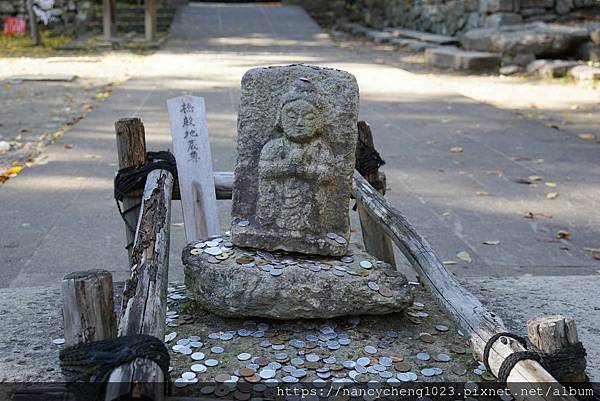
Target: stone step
<point x="585" y="73"/>
<point x="452" y="57"/>
<point x="550" y="68"/>
<point x="413" y="44"/>
<point x="423" y="36"/>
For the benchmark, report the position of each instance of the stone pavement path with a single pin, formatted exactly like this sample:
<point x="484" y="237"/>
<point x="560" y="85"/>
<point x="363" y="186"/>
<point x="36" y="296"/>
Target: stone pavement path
<point x="457" y="200"/>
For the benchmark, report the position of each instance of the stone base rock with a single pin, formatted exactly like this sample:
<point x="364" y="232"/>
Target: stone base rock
<point x="452" y="57"/>
<point x="237" y="283"/>
<point x="536" y="38"/>
<point x="585" y="73"/>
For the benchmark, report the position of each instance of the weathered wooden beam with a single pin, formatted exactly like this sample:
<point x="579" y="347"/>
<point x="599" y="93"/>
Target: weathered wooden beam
<point x="88" y="308"/>
<point x="555" y="333"/>
<point x="109" y="19"/>
<point x="144" y="305"/>
<point x="377" y="243"/>
<point x="191" y="145"/>
<point x="150" y="20"/>
<point x="33" y="28"/>
<point x="131" y="151"/>
<point x="456" y="301"/>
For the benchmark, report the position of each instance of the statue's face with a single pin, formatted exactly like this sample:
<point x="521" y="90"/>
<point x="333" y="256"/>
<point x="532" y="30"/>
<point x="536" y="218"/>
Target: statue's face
<point x="299" y="120"/>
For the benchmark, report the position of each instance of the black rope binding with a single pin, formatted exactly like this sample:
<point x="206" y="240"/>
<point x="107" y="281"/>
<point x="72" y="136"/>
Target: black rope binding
<point x="493" y="339"/>
<point x="131" y="179"/>
<point x="93" y="362"/>
<point x="559" y="364"/>
<point x="368" y="159"/>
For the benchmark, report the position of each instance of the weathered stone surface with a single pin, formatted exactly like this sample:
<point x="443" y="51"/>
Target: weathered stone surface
<point x="296" y="139"/>
<point x="231" y="289"/>
<point x="413" y="44"/>
<point x="595" y="36"/>
<point x="452" y="57"/>
<point x="499" y="19"/>
<point x="536" y="38"/>
<point x="509" y="70"/>
<point x="585" y="73"/>
<point x="494" y="6"/>
<point x="588" y="51"/>
<point x="555" y="69"/>
<point x="562" y="7"/>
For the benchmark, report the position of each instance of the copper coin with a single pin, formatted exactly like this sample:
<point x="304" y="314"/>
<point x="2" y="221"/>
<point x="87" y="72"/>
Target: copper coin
<point x="426" y="338"/>
<point x="397" y="358"/>
<point x="245" y="259"/>
<point x="415" y="320"/>
<point x="385" y="292"/>
<point x="312" y="365"/>
<point x="277" y="341"/>
<point x="402" y="367"/>
<point x="244" y="387"/>
<point x="261" y="361"/>
<point x="311" y="345"/>
<point x="253" y="379"/>
<point x="458" y="349"/>
<point x="245" y="372"/>
<point x="221" y="390"/>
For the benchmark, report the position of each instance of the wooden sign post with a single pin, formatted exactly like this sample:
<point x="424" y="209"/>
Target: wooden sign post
<point x="194" y="167"/>
<point x="109" y="19"/>
<point x="150" y="20"/>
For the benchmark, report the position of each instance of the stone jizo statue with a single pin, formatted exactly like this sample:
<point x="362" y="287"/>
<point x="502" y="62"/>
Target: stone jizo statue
<point x="296" y="170"/>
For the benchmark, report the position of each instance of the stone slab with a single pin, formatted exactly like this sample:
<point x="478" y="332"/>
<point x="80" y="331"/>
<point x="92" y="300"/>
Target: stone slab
<point x="424" y="36"/>
<point x="296" y="142"/>
<point x="452" y="57"/>
<point x="241" y="282"/>
<point x="555" y="69"/>
<point x="413" y="44"/>
<point x="536" y="38"/>
<point x="585" y="73"/>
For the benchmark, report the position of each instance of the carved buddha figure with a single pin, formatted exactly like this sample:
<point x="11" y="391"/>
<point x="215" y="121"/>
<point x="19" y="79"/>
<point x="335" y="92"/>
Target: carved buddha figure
<point x="296" y="168"/>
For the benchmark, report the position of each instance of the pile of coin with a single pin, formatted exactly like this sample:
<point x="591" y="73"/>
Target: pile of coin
<point x="307" y="352"/>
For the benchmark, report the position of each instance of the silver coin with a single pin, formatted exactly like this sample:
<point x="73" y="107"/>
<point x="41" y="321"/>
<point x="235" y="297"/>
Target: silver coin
<point x="289" y="379"/>
<point x="213" y="251"/>
<point x="217" y="350"/>
<point x="392" y="333"/>
<point x="378" y="368"/>
<point x="437" y="371"/>
<point x="243" y="223"/>
<point x="244" y="356"/>
<point x="333" y="345"/>
<point x="369" y="349"/>
<point x="324" y="375"/>
<point x="365" y="264"/>
<point x="386" y="374"/>
<point x="344" y="341"/>
<point x="297" y="361"/>
<point x="364" y="361"/>
<point x="188" y="375"/>
<point x="199" y="245"/>
<point x="341" y="240"/>
<point x="211" y="362"/>
<point x="214" y="336"/>
<point x="226" y="336"/>
<point x="347" y="259"/>
<point x="281" y="355"/>
<point x="441" y="328"/>
<point x="185" y="351"/>
<point x="373" y="285"/>
<point x="183" y="341"/>
<point x="332" y="236"/>
<point x="274" y="365"/>
<point x="198" y="368"/>
<point x="265" y="343"/>
<point x="267" y="373"/>
<point x="278" y="347"/>
<point x="442" y="357"/>
<point x="58" y="341"/>
<point x="312" y="358"/>
<point x="360" y="369"/>
<point x="423" y="356"/>
<point x="338" y="273"/>
<point x="298" y="373"/>
<point x="180" y="382"/>
<point x="213" y="243"/>
<point x="428" y="372"/>
<point x="276" y="272"/>
<point x="170" y="337"/>
<point x="349" y="364"/>
<point x="197" y="356"/>
<point x="478" y="371"/>
<point x="386" y="361"/>
<point x="407" y="376"/>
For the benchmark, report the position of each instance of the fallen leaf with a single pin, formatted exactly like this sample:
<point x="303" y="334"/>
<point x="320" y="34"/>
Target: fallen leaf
<point x="464" y="256"/>
<point x="456" y="149"/>
<point x="563" y="234"/>
<point x="535" y="177"/>
<point x="522" y="181"/>
<point x="491" y="242"/>
<point x="551" y="195"/>
<point x="587" y="137"/>
<point x="12" y="171"/>
<point x="551" y="184"/>
<point x="482" y="193"/>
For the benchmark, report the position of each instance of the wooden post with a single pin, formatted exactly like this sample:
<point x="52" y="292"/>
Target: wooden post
<point x="109" y="19"/>
<point x="88" y="308"/>
<point x="553" y="333"/>
<point x="194" y="167"/>
<point x="35" y="34"/>
<point x="377" y="243"/>
<point x="131" y="149"/>
<point x="144" y="305"/>
<point x="150" y="20"/>
<point x="477" y="322"/>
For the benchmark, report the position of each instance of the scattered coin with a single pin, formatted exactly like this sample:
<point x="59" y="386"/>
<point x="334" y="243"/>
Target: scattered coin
<point x="459" y="370"/>
<point x="407" y="376"/>
<point x="211" y="362"/>
<point x="332" y="235"/>
<point x="458" y="349"/>
<point x="369" y="349"/>
<point x="213" y="251"/>
<point x="385" y="292"/>
<point x="402" y="367"/>
<point x="373" y="285"/>
<point x="426" y="338"/>
<point x="244" y="356"/>
<point x="267" y="373"/>
<point x="428" y="372"/>
<point x="58" y="341"/>
<point x="188" y="375"/>
<point x="243" y="223"/>
<point x="441" y="328"/>
<point x="196" y="251"/>
<point x="365" y="264"/>
<point x="222" y="378"/>
<point x="276" y="272"/>
<point x="217" y="350"/>
<point x="246" y="372"/>
<point x="442" y="357"/>
<point x="198" y="368"/>
<point x="197" y="356"/>
<point x="423" y="356"/>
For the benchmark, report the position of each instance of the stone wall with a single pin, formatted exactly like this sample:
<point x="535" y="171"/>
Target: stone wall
<point x="448" y="17"/>
<point x="69" y="16"/>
